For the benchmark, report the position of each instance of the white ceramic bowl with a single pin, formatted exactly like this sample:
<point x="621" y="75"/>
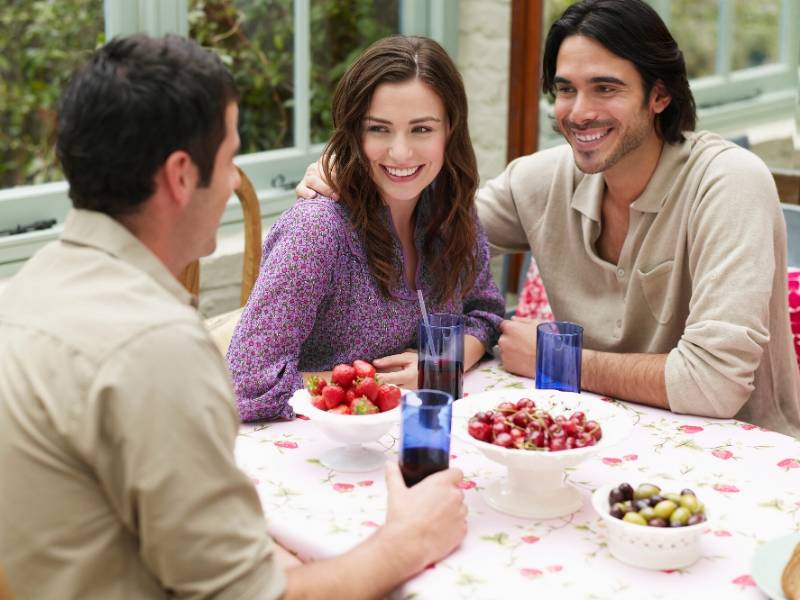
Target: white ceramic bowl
<point x="534" y="486"/>
<point x="351" y="430"/>
<point x="650" y="547"/>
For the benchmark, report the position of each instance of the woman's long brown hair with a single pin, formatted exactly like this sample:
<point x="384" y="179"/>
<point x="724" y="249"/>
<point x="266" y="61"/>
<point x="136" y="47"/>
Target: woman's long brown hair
<point x="449" y="242"/>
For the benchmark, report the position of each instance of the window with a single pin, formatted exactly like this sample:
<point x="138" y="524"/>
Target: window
<point x="741" y="55"/>
<point x="286" y="55"/>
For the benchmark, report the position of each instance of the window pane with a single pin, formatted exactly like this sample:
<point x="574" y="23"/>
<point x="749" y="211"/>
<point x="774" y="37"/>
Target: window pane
<point x="340" y="30"/>
<point x="255" y="40"/>
<point x="694" y="25"/>
<point x="41" y="43"/>
<point x="757" y="33"/>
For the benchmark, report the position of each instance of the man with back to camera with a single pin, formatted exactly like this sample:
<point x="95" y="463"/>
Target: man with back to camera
<point x="667" y="245"/>
<point x="117" y="418"/>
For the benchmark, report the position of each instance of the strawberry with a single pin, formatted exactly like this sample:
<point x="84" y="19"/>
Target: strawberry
<point x="319" y="402"/>
<point x="333" y="395"/>
<point x="388" y="397"/>
<point x="363" y="369"/>
<point x="315" y="385"/>
<point x="367" y="387"/>
<point x="343" y="375"/>
<point x="342" y="409"/>
<point x="349" y="396"/>
<point x="362" y="406"/>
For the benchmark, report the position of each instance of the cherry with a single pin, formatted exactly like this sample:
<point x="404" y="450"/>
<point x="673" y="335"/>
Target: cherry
<point x="504" y="439"/>
<point x="525" y="403"/>
<point x="521" y="418"/>
<point x="499" y="427"/>
<point x="507" y="408"/>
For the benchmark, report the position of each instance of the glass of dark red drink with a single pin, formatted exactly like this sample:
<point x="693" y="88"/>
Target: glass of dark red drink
<point x="425" y="434"/>
<point x="440" y="363"/>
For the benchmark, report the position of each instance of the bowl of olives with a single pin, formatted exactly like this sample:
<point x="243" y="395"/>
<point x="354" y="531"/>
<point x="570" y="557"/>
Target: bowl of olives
<point x="650" y="525"/>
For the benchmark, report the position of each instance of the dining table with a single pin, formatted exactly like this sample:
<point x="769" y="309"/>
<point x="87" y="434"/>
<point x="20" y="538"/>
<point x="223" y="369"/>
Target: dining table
<point x="748" y="478"/>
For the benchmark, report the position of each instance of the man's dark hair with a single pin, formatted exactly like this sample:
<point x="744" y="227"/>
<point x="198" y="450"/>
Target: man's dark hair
<point x="632" y="30"/>
<point x="134" y="102"/>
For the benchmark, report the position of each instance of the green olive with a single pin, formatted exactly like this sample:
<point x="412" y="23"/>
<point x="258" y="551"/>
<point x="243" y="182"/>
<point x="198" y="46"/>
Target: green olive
<point x="700" y="508"/>
<point x="680" y="516"/>
<point x="645" y="491"/>
<point x="665" y="508"/>
<point x="634" y="519"/>
<point x="625" y="507"/>
<point x="648" y="512"/>
<point x="690" y="502"/>
<point x="676" y="498"/>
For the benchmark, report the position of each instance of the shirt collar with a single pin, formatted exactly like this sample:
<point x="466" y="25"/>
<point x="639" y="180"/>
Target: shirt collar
<point x="588" y="195"/>
<point x="97" y="230"/>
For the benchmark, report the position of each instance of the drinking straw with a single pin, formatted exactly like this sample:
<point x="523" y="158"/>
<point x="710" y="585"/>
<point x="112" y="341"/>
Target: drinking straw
<point x="425" y="320"/>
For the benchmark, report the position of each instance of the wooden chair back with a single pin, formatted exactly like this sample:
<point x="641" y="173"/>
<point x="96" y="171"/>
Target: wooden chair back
<point x="5" y="588"/>
<point x="190" y="278"/>
<point x="788" y="184"/>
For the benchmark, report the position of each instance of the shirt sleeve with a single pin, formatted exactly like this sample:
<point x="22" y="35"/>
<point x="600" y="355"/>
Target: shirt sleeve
<point x="298" y="264"/>
<point x="162" y="426"/>
<point x="484" y="305"/>
<point x="735" y="232"/>
<point x="498" y="210"/>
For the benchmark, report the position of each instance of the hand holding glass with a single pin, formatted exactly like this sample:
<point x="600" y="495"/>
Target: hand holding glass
<point x="425" y="434"/>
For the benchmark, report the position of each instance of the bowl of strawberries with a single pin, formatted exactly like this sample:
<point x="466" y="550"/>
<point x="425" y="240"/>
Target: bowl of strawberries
<point x="354" y="408"/>
<point x="536" y="435"/>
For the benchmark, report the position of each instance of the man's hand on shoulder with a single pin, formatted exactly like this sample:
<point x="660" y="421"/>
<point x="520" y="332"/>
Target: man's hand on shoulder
<point x="313" y="184"/>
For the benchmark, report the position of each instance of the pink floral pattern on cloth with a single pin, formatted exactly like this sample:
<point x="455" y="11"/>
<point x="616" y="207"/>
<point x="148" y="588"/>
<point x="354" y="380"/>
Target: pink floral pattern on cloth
<point x="794" y="308"/>
<point x="533" y="301"/>
<point x="748" y="478"/>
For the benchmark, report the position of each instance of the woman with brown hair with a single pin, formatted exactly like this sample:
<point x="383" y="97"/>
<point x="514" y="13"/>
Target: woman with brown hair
<point x="339" y="279"/>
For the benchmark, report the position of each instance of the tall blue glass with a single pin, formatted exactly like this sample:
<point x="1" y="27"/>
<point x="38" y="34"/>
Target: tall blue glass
<point x="440" y="362"/>
<point x="558" y="356"/>
<point x="425" y="434"/>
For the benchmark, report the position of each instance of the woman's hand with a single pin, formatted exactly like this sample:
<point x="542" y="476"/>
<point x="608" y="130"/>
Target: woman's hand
<point x="399" y="369"/>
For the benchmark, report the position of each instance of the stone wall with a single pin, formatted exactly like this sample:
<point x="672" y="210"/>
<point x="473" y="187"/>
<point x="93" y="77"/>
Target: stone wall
<point x="483" y="54"/>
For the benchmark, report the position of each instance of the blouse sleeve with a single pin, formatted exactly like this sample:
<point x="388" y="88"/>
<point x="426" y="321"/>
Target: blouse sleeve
<point x="300" y="253"/>
<point x="484" y="305"/>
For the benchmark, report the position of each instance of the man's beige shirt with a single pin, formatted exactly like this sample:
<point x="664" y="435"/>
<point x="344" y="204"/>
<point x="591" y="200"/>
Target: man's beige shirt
<point x="701" y="276"/>
<point x="117" y="429"/>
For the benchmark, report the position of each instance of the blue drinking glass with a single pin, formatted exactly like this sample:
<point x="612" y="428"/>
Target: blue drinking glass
<point x="558" y="356"/>
<point x="440" y="362"/>
<point x="424" y="434"/>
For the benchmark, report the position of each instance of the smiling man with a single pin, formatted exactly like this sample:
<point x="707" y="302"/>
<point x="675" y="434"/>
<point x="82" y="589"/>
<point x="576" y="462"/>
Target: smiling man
<point x="668" y="246"/>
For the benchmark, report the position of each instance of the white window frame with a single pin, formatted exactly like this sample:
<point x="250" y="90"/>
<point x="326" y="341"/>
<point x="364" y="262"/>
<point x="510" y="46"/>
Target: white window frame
<point x="272" y="172"/>
<point x="731" y="101"/>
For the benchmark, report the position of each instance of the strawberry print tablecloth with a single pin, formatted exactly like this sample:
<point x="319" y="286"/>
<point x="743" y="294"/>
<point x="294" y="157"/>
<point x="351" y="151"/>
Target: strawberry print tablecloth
<point x="749" y="479"/>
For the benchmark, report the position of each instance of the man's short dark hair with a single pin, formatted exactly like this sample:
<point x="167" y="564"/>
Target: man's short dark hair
<point x="134" y="102"/>
<point x="632" y="30"/>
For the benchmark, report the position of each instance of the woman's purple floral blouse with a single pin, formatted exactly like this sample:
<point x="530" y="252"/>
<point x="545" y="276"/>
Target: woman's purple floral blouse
<point x="316" y="305"/>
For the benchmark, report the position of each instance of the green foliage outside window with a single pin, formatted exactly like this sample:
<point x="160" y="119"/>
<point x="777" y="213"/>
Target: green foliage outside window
<point x="41" y="43"/>
<point x="255" y="40"/>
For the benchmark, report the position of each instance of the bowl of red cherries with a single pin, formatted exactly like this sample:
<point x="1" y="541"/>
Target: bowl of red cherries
<point x="536" y="435"/>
